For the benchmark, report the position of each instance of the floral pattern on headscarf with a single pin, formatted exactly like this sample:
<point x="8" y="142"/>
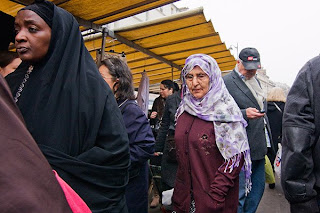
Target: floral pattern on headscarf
<point x="219" y="107"/>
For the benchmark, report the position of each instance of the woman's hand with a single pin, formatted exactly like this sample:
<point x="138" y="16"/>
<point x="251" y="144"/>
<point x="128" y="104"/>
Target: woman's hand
<point x="153" y="114"/>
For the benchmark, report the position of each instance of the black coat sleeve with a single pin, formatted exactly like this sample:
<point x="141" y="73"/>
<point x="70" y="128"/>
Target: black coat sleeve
<point x="297" y="169"/>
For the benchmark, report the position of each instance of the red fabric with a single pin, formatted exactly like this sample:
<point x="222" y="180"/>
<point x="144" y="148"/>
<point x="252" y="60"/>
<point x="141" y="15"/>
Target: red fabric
<point x="76" y="204"/>
<point x="201" y="169"/>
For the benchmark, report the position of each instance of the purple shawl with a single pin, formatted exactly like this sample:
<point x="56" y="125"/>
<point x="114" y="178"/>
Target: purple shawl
<point x="219" y="107"/>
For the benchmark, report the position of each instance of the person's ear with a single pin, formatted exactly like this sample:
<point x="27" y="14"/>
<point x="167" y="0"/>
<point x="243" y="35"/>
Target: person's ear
<point x="116" y="85"/>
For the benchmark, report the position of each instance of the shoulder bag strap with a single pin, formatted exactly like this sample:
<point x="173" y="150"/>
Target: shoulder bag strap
<point x="278" y="108"/>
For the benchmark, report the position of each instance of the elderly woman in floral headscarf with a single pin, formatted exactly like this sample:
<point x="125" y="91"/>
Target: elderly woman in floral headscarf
<point x="211" y="141"/>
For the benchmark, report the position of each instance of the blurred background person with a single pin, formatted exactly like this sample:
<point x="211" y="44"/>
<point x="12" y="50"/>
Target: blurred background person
<point x="165" y="141"/>
<point x="211" y="141"/>
<point x="276" y="100"/>
<point x="166" y="89"/>
<point x="68" y="108"/>
<point x="141" y="141"/>
<point x="9" y="62"/>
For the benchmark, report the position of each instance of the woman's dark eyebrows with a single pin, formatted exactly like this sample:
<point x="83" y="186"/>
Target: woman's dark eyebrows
<point x="30" y="21"/>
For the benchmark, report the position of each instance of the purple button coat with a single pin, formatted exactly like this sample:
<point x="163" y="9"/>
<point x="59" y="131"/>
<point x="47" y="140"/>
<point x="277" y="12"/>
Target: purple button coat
<point x="201" y="169"/>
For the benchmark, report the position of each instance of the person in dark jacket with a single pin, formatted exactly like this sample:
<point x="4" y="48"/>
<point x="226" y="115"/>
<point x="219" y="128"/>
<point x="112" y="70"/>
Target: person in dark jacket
<point x="118" y="76"/>
<point x="211" y="142"/>
<point x="275" y="105"/>
<point x="300" y="162"/>
<point x="165" y="142"/>
<point x="276" y="100"/>
<point x="68" y="108"/>
<point x="166" y="89"/>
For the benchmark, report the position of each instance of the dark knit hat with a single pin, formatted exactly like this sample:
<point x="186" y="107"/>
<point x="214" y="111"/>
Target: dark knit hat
<point x="43" y="8"/>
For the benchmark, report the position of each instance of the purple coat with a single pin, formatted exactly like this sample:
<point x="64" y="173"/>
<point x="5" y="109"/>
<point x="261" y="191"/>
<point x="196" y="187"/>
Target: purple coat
<point x="201" y="169"/>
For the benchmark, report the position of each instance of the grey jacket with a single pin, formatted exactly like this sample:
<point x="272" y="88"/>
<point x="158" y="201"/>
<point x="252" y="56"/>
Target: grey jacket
<point x="255" y="129"/>
<point x="300" y="163"/>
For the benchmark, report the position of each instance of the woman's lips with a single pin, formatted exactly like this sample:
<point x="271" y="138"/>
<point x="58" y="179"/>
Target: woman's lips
<point x="22" y="50"/>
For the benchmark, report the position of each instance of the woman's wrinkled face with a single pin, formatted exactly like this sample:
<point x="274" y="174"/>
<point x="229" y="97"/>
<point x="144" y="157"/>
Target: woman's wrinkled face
<point x="33" y="36"/>
<point x="198" y="82"/>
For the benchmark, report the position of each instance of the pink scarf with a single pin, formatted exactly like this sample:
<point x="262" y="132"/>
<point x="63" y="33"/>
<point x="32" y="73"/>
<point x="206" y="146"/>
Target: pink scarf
<point x="75" y="202"/>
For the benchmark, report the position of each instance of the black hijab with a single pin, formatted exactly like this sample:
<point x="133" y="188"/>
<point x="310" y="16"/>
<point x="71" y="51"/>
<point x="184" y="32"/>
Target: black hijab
<point x="44" y="9"/>
<point x="73" y="116"/>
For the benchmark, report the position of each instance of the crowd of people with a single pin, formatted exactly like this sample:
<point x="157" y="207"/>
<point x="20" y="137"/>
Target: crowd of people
<point x="77" y="141"/>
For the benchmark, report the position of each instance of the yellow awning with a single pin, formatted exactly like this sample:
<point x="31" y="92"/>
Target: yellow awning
<point x="96" y="11"/>
<point x="158" y="47"/>
<point x="173" y="38"/>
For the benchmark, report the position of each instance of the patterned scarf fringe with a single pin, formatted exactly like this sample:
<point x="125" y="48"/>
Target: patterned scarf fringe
<point x="235" y="161"/>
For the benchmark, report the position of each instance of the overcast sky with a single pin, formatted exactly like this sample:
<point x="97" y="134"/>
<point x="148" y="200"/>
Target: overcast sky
<point x="285" y="32"/>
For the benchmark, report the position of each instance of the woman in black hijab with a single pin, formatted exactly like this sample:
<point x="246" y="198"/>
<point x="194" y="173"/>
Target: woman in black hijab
<point x="68" y="108"/>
